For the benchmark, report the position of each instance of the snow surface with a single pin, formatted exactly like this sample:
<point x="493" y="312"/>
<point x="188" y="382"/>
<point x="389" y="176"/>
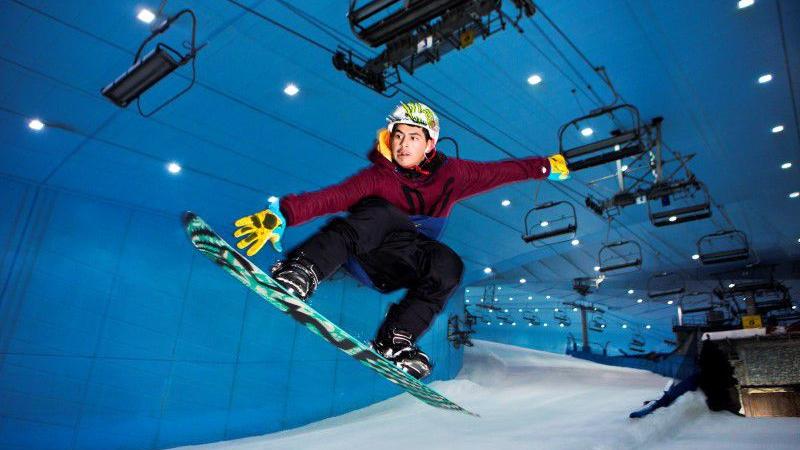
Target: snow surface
<point x="533" y="399"/>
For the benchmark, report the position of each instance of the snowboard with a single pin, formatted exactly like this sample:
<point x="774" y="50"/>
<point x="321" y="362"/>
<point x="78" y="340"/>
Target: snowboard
<point x="224" y="255"/>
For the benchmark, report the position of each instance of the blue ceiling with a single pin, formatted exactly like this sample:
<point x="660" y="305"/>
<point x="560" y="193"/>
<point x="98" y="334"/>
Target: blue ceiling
<point x="239" y="138"/>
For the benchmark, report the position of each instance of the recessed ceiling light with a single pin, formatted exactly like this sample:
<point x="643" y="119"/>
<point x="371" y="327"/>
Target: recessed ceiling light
<point x="530" y="297"/>
<point x="673" y="218"/>
<point x="794" y="306"/>
<point x="547" y="297"/>
<point x="766" y="78"/>
<point x="36" y="125"/>
<point x="624" y="325"/>
<point x="467" y="300"/>
<point x="505" y="202"/>
<point x="511" y="298"/>
<point x="534" y="79"/>
<point x="544" y="223"/>
<point x="777" y="128"/>
<point x="602" y="325"/>
<point x="786" y="165"/>
<point x="523" y="280"/>
<point x="647" y="326"/>
<point x="623" y="168"/>
<point x="555" y="309"/>
<point x="520" y="310"/>
<point x="574" y="309"/>
<point x="530" y="324"/>
<point x="616" y="148"/>
<point x="597" y="268"/>
<point x="745" y="3"/>
<point x="291" y="90"/>
<point x="536" y="310"/>
<point x="639" y="300"/>
<point x="174" y="167"/>
<point x="586" y="132"/>
<point x="732" y="285"/>
<point x="545" y="324"/>
<point x="487" y="270"/>
<point x="561" y="325"/>
<point x="575" y="242"/>
<point x="513" y="324"/>
<point x="695" y="257"/>
<point x="630" y="291"/>
<point x="467" y="291"/>
<point x="669" y="302"/>
<point x="505" y="310"/>
<point x="500" y="288"/>
<point x="146" y="16"/>
<point x="794" y="194"/>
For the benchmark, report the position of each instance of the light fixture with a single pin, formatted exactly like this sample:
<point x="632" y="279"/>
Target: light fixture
<point x="777" y="128"/>
<point x="639" y="300"/>
<point x="794" y="306"/>
<point x="561" y="325"/>
<point x="597" y="268"/>
<point x="745" y="3"/>
<point x="624" y="325"/>
<point x="36" y="125"/>
<point x="695" y="257"/>
<point x="530" y="324"/>
<point x="547" y="297"/>
<point x="732" y="285"/>
<point x="488" y="323"/>
<point x="623" y="168"/>
<point x="146" y="16"/>
<point x="536" y="310"/>
<point x="530" y="297"/>
<point x="291" y="90"/>
<point x="467" y="300"/>
<point x="673" y="218"/>
<point x="523" y="280"/>
<point x="794" y="194"/>
<point x="575" y="242"/>
<point x="786" y="165"/>
<point x="467" y="291"/>
<point x="630" y="291"/>
<point x="174" y="167"/>
<point x="602" y="325"/>
<point x="545" y="324"/>
<point x="574" y="309"/>
<point x="586" y="132"/>
<point x="647" y="326"/>
<point x="534" y="79"/>
<point x="669" y="302"/>
<point x="513" y="324"/>
<point x="616" y="148"/>
<point x="500" y="288"/>
<point x="766" y="78"/>
<point x="505" y="310"/>
<point x="520" y="310"/>
<point x="505" y="202"/>
<point x="544" y="223"/>
<point x="556" y="309"/>
<point x="487" y="270"/>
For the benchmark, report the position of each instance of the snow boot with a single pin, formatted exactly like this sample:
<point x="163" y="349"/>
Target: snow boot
<point x="398" y="346"/>
<point x="298" y="275"/>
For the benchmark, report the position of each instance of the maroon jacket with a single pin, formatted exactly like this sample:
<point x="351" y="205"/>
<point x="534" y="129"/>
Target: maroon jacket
<point x="428" y="199"/>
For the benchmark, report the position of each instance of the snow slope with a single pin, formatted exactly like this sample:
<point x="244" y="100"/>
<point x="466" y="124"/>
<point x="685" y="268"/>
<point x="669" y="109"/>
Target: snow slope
<point x="533" y="399"/>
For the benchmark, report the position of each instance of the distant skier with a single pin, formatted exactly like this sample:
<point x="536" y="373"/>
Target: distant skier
<point x="397" y="209"/>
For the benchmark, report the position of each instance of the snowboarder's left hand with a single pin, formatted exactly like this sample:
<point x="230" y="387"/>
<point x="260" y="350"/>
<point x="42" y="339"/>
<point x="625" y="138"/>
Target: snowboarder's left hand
<point x="258" y="228"/>
<point x="558" y="168"/>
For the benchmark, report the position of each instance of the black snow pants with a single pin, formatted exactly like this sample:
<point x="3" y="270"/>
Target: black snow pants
<point x="387" y="245"/>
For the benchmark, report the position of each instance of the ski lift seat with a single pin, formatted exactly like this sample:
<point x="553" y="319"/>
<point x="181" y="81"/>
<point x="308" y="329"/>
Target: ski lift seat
<point x="565" y="224"/>
<point x="619" y="257"/>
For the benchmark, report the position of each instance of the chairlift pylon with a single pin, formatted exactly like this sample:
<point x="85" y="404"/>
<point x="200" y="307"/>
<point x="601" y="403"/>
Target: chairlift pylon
<point x="553" y="220"/>
<point x="621" y="144"/>
<point x="619" y="257"/>
<point x="665" y="284"/>
<point x="724" y="246"/>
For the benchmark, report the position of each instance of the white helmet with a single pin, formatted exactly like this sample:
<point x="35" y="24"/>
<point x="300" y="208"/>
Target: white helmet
<point x="417" y="114"/>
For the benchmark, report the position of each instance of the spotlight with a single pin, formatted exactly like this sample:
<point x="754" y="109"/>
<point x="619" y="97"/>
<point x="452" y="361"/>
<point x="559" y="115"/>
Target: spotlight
<point x="36" y="125"/>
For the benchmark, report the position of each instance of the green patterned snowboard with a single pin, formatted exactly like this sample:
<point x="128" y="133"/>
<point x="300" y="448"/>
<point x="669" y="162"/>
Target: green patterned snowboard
<point x="216" y="249"/>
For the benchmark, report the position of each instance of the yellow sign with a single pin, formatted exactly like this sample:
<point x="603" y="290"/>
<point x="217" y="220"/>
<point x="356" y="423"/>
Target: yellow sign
<point x="467" y="38"/>
<point x="751" y="321"/>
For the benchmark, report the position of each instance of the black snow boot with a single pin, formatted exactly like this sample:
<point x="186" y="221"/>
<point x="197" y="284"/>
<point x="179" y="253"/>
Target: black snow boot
<point x="298" y="275"/>
<point x="398" y="346"/>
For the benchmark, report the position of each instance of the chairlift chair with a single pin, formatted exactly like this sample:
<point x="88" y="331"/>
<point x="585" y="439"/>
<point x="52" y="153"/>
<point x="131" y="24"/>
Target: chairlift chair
<point x="686" y="190"/>
<point x="619" y="257"/>
<point x="637" y="343"/>
<point x="621" y="144"/>
<point x="723" y="247"/>
<point x="598" y="323"/>
<point x="665" y="284"/>
<point x="550" y="222"/>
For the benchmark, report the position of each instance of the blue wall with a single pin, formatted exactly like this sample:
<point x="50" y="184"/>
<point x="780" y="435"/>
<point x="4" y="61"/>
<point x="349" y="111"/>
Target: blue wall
<point x="115" y="333"/>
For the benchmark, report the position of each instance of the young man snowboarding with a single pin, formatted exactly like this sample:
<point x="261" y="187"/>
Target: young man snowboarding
<point x="397" y="209"/>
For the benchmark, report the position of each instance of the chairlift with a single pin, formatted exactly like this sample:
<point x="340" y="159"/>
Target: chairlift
<point x="562" y="318"/>
<point x="688" y="191"/>
<point x="637" y="343"/>
<point x="723" y="247"/>
<point x="665" y="284"/>
<point x="619" y="257"/>
<point x="532" y="319"/>
<point x="621" y="144"/>
<point x="598" y="323"/>
<point x="550" y="222"/>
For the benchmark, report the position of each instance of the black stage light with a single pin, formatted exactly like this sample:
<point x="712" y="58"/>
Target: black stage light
<point x="140" y="77"/>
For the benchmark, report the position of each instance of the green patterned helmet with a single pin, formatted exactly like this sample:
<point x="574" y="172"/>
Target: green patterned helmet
<point x="417" y="114"/>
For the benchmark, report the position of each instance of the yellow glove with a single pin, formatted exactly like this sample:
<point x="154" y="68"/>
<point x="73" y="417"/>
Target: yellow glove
<point x="558" y="168"/>
<point x="258" y="228"/>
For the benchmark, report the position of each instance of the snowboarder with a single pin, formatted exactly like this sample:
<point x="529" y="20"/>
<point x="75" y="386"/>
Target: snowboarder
<point x="397" y="209"/>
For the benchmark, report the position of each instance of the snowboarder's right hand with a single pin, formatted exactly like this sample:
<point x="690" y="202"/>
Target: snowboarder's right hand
<point x="256" y="229"/>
